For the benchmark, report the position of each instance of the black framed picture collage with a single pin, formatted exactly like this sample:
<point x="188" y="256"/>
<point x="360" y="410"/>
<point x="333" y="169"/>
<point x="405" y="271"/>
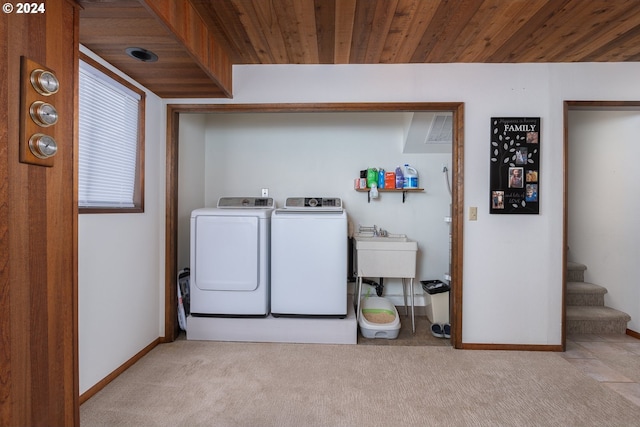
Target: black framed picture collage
<point x="515" y="165"/>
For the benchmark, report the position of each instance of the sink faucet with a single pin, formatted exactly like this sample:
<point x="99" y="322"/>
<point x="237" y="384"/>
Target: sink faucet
<point x="379" y="232"/>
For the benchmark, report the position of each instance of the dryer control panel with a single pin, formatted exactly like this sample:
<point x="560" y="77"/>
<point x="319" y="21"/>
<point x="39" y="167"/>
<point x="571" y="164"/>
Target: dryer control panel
<point x="246" y="202"/>
<point x="311" y="203"/>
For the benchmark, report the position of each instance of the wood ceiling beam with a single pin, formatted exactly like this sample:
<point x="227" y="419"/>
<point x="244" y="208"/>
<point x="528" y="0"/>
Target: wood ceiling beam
<point x="186" y="25"/>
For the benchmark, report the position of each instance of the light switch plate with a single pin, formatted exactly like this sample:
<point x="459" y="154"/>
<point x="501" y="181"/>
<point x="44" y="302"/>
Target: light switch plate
<point x="473" y="213"/>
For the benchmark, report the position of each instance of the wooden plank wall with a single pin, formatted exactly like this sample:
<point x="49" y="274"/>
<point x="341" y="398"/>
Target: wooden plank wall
<point x="38" y="230"/>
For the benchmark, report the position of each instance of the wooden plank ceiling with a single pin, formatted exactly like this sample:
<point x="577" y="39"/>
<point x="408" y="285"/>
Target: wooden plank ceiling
<point x="197" y="41"/>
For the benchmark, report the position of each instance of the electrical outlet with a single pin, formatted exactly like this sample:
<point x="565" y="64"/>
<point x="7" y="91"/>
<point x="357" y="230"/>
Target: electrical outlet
<point x="265" y="192"/>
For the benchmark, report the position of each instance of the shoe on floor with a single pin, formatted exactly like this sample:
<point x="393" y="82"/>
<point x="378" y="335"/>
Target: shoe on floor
<point x="446" y="330"/>
<point x="436" y="330"/>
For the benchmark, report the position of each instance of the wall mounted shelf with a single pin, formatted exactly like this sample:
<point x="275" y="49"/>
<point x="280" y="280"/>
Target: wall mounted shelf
<point x="404" y="191"/>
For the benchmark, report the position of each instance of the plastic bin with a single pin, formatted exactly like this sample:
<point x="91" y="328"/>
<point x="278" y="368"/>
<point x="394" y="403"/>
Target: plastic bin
<point x="370" y="329"/>
<point x="437" y="300"/>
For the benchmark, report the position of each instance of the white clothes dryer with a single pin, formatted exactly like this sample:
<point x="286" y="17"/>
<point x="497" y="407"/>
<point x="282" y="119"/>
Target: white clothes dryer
<point x="230" y="260"/>
<point x="309" y="258"/>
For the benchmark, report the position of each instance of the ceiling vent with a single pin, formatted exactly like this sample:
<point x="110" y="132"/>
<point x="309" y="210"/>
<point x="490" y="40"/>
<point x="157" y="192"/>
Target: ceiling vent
<point x="428" y="132"/>
<point x="441" y="130"/>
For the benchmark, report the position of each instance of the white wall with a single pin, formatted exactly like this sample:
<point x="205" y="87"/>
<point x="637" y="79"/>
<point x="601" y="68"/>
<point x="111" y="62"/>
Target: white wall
<point x="603" y="227"/>
<point x="504" y="302"/>
<point x="306" y="154"/>
<point x="121" y="257"/>
<point x="191" y="182"/>
<point x="121" y="269"/>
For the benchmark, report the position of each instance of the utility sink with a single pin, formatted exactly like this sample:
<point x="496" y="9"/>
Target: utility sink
<point x="386" y="256"/>
<point x="390" y="256"/>
<point x="381" y="239"/>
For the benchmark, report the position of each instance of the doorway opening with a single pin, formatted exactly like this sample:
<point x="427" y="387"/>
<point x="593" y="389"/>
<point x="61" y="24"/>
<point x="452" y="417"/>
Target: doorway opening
<point x="457" y="197"/>
<point x="599" y="220"/>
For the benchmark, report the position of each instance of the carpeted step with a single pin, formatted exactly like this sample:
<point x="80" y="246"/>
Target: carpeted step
<point x="575" y="271"/>
<point x="585" y="294"/>
<point x="596" y="320"/>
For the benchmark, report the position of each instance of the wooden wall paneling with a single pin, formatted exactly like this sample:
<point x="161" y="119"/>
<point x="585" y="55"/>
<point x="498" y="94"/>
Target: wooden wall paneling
<point x="108" y="28"/>
<point x="18" y="304"/>
<point x="183" y="22"/>
<point x="5" y="315"/>
<point x="232" y="36"/>
<point x="38" y="230"/>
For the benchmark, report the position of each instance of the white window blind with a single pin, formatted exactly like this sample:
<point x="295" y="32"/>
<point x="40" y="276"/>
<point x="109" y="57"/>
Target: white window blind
<point x="108" y="141"/>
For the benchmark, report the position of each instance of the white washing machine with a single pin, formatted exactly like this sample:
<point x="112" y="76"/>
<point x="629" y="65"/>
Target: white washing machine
<point x="309" y="258"/>
<point x="230" y="258"/>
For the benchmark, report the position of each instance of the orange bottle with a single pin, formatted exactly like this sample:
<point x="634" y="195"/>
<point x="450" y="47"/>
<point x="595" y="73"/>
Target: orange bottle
<point x="390" y="180"/>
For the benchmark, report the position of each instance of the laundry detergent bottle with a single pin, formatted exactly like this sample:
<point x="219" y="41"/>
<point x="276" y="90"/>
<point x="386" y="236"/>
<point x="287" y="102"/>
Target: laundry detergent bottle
<point x="381" y="183"/>
<point x="399" y="178"/>
<point x="372" y="177"/>
<point x="410" y="177"/>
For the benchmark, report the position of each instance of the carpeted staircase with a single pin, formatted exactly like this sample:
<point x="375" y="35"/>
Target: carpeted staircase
<point x="586" y="312"/>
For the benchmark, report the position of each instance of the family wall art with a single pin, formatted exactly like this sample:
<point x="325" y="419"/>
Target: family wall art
<point x="515" y="165"/>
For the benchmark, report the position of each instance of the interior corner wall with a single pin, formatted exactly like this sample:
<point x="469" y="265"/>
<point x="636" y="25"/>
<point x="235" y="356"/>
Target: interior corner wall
<point x="121" y="268"/>
<point x="191" y="184"/>
<point x="603" y="226"/>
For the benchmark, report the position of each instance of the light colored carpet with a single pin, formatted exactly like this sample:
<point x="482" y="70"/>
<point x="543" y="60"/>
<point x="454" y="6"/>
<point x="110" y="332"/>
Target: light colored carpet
<point x="189" y="383"/>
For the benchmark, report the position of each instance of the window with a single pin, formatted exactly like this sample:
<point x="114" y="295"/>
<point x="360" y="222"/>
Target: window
<point x="111" y="142"/>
